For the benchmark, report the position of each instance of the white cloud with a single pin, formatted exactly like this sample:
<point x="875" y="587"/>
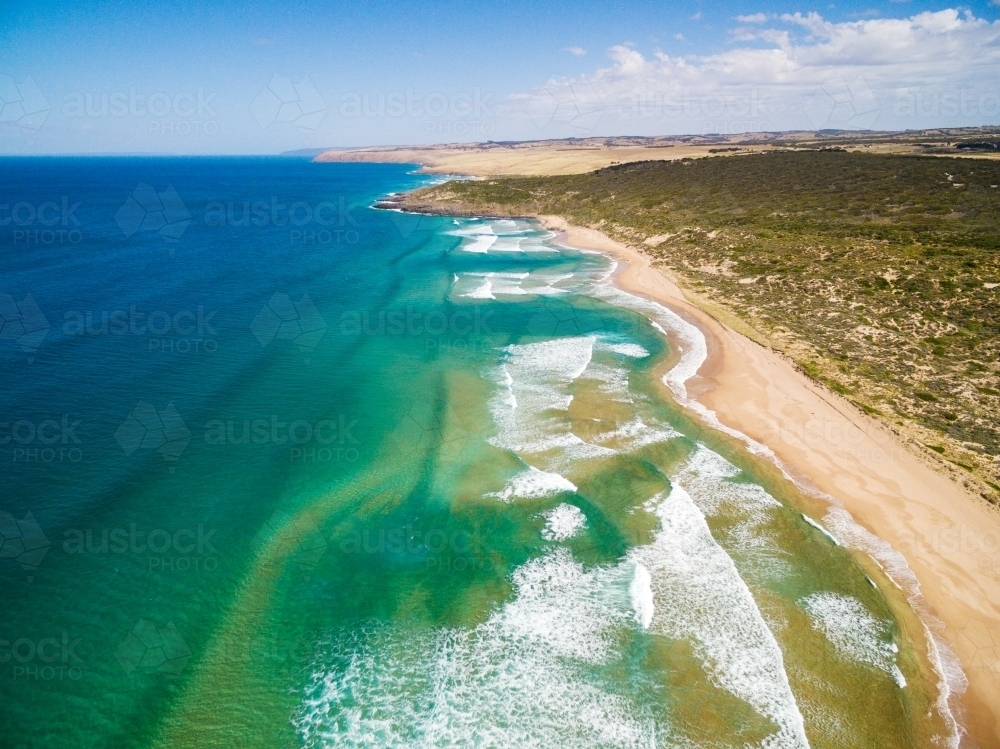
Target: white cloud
<point x="696" y="16"/>
<point x="801" y="71"/>
<point x="578" y="51"/>
<point x="753" y="18"/>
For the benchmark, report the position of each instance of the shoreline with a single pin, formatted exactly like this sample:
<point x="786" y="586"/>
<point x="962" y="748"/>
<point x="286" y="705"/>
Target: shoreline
<point x="949" y="538"/>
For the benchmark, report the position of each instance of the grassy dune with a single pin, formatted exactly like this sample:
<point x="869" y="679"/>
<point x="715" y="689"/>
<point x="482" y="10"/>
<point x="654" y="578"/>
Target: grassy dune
<point x="877" y="274"/>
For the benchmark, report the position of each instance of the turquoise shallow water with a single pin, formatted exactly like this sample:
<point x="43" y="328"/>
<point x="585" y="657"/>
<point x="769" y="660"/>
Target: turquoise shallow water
<point x="306" y="473"/>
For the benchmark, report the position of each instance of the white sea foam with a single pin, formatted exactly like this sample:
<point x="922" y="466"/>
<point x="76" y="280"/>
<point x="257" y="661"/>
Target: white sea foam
<point x="513" y="284"/>
<point x="484" y="291"/>
<point x="608" y="371"/>
<point x="633" y="350"/>
<point x="489" y="285"/>
<point x="530" y="407"/>
<point x="641" y="595"/>
<point x="472" y="229"/>
<point x="635" y="434"/>
<point x="544" y="284"/>
<point x="479" y="236"/>
<point x="524" y="678"/>
<point x="535" y="379"/>
<point x="713" y="483"/>
<point x="613" y="379"/>
<point x="481" y="243"/>
<point x="821" y="529"/>
<point x="533" y="484"/>
<point x="854" y="632"/>
<point x="563" y="522"/>
<point x="700" y="597"/>
<point x="708" y="478"/>
<point x="521" y="238"/>
<point x="952" y="680"/>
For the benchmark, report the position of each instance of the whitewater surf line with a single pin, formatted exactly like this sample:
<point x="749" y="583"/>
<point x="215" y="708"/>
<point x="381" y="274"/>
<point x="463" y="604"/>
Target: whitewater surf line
<point x="693" y="353"/>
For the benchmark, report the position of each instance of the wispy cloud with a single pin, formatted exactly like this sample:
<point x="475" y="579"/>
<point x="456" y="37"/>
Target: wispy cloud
<point x="799" y="71"/>
<point x="578" y="51"/>
<point x="754" y="18"/>
<point x="696" y="16"/>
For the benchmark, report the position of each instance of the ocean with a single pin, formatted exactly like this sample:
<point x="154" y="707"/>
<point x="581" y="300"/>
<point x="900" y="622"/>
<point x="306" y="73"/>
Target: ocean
<point x="281" y="469"/>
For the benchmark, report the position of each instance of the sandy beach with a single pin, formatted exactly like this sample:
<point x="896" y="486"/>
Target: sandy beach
<point x="950" y="538"/>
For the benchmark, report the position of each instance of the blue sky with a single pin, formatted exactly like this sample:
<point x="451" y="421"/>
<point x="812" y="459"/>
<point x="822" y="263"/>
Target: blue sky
<point x="264" y="77"/>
